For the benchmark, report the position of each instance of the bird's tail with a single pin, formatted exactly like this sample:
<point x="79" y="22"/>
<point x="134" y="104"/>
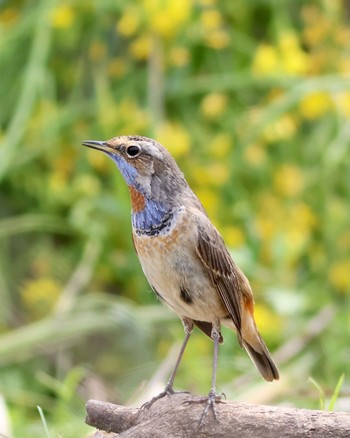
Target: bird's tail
<point x="262" y="360"/>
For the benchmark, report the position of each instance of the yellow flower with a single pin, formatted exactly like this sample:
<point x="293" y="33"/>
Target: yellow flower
<point x="217" y="39"/>
<point x="270" y="324"/>
<point x="302" y="216"/>
<point x="97" y="51"/>
<point x="210" y="201"/>
<point x="40" y="295"/>
<point x="214" y="174"/>
<point x="129" y="22"/>
<point x="220" y="145"/>
<point x="294" y="59"/>
<point x="211" y="19"/>
<point x="166" y="17"/>
<point x="62" y="17"/>
<point x="343" y="103"/>
<point x="342" y="36"/>
<point x="255" y="155"/>
<point x="117" y="68"/>
<point x="97" y="161"/>
<point x="315" y="105"/>
<point x="339" y="275"/>
<point x="9" y="16"/>
<point x="87" y="185"/>
<point x="287" y="57"/>
<point x="289" y="180"/>
<point x="206" y="2"/>
<point x="280" y="129"/>
<point x="233" y="236"/>
<point x="265" y="226"/>
<point x="175" y="137"/>
<point x="214" y="105"/>
<point x="141" y="47"/>
<point x="58" y="182"/>
<point x="179" y="56"/>
<point x="266" y="60"/>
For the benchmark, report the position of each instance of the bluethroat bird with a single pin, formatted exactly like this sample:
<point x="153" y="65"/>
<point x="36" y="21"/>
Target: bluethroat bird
<point x="182" y="254"/>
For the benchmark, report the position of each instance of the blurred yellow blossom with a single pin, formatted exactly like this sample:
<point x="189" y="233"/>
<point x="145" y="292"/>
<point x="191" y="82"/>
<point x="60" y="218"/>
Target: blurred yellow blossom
<point x="129" y="22"/>
<point x="233" y="236"/>
<point x="266" y="60"/>
<point x="9" y="16"/>
<point x="343" y="103"/>
<point x="58" y="182"/>
<point x="97" y="161"/>
<point x="117" y="68"/>
<point x="206" y="2"/>
<point x="166" y="17"/>
<point x="303" y="216"/>
<point x="280" y="129"/>
<point x="255" y="155"/>
<point x="265" y="226"/>
<point x="87" y="185"/>
<point x="344" y="65"/>
<point x="288" y="180"/>
<point x="211" y="19"/>
<point x="62" y="17"/>
<point x="217" y="39"/>
<point x="214" y="105"/>
<point x="214" y="174"/>
<point x="287" y="57"/>
<point x="297" y="227"/>
<point x="40" y="295"/>
<point x="97" y="50"/>
<point x="294" y="59"/>
<point x="342" y="36"/>
<point x="179" y="56"/>
<point x="315" y="105"/>
<point x="141" y="47"/>
<point x="343" y="241"/>
<point x="269" y="323"/>
<point x="175" y="137"/>
<point x="129" y="114"/>
<point x="209" y="198"/>
<point x="220" y="145"/>
<point x="339" y="275"/>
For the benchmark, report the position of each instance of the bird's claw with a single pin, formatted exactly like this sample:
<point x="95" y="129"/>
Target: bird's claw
<point x="210" y="404"/>
<point x="168" y="390"/>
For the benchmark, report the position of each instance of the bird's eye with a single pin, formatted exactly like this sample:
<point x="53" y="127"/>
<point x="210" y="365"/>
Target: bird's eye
<point x="133" y="150"/>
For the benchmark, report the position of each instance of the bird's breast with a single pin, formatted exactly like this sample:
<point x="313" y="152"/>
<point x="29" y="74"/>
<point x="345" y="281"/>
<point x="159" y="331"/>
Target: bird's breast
<point x="174" y="270"/>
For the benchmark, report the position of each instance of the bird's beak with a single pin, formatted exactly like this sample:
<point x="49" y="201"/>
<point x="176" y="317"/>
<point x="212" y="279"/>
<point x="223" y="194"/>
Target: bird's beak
<point x="98" y="145"/>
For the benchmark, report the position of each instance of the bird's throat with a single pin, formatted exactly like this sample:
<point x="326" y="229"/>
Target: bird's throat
<point x="149" y="217"/>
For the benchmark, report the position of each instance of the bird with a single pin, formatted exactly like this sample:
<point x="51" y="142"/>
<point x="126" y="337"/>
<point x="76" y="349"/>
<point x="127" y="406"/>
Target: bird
<point x="183" y="255"/>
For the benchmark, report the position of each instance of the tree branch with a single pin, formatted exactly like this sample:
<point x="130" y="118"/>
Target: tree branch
<point x="178" y="416"/>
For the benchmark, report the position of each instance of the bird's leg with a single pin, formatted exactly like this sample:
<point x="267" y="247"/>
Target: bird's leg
<point x="212" y="396"/>
<point x="188" y="327"/>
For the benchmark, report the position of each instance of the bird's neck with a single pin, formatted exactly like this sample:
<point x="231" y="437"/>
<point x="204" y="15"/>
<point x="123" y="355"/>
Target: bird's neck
<point x="149" y="217"/>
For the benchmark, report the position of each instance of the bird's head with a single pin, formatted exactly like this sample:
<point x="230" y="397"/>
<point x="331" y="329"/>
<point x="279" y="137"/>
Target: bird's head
<point x="146" y="166"/>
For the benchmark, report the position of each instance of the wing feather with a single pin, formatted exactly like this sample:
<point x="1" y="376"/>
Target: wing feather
<point x="224" y="274"/>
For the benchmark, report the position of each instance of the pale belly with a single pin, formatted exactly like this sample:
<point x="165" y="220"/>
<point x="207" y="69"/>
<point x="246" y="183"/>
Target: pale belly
<point x="175" y="272"/>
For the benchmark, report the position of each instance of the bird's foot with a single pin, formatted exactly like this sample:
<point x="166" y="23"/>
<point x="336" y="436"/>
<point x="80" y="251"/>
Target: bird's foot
<point x="168" y="390"/>
<point x="210" y="404"/>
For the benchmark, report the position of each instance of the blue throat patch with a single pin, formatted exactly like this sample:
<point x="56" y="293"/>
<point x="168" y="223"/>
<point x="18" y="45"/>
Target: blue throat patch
<point x="152" y="219"/>
<point x="156" y="215"/>
<point x="127" y="170"/>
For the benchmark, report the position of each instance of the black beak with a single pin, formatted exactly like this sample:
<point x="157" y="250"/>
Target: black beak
<point x="98" y="145"/>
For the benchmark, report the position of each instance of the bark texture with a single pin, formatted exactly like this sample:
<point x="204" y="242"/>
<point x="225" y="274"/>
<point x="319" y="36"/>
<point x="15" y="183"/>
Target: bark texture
<point x="178" y="416"/>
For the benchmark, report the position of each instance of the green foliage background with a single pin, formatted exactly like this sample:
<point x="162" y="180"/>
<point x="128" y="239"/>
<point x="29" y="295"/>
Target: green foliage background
<point x="253" y="100"/>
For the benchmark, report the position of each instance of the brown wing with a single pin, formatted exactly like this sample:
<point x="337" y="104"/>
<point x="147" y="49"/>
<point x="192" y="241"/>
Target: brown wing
<point x="222" y="271"/>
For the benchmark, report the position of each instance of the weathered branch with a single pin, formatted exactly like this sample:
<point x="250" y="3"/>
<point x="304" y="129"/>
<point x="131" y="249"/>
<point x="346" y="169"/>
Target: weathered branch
<point x="178" y="416"/>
